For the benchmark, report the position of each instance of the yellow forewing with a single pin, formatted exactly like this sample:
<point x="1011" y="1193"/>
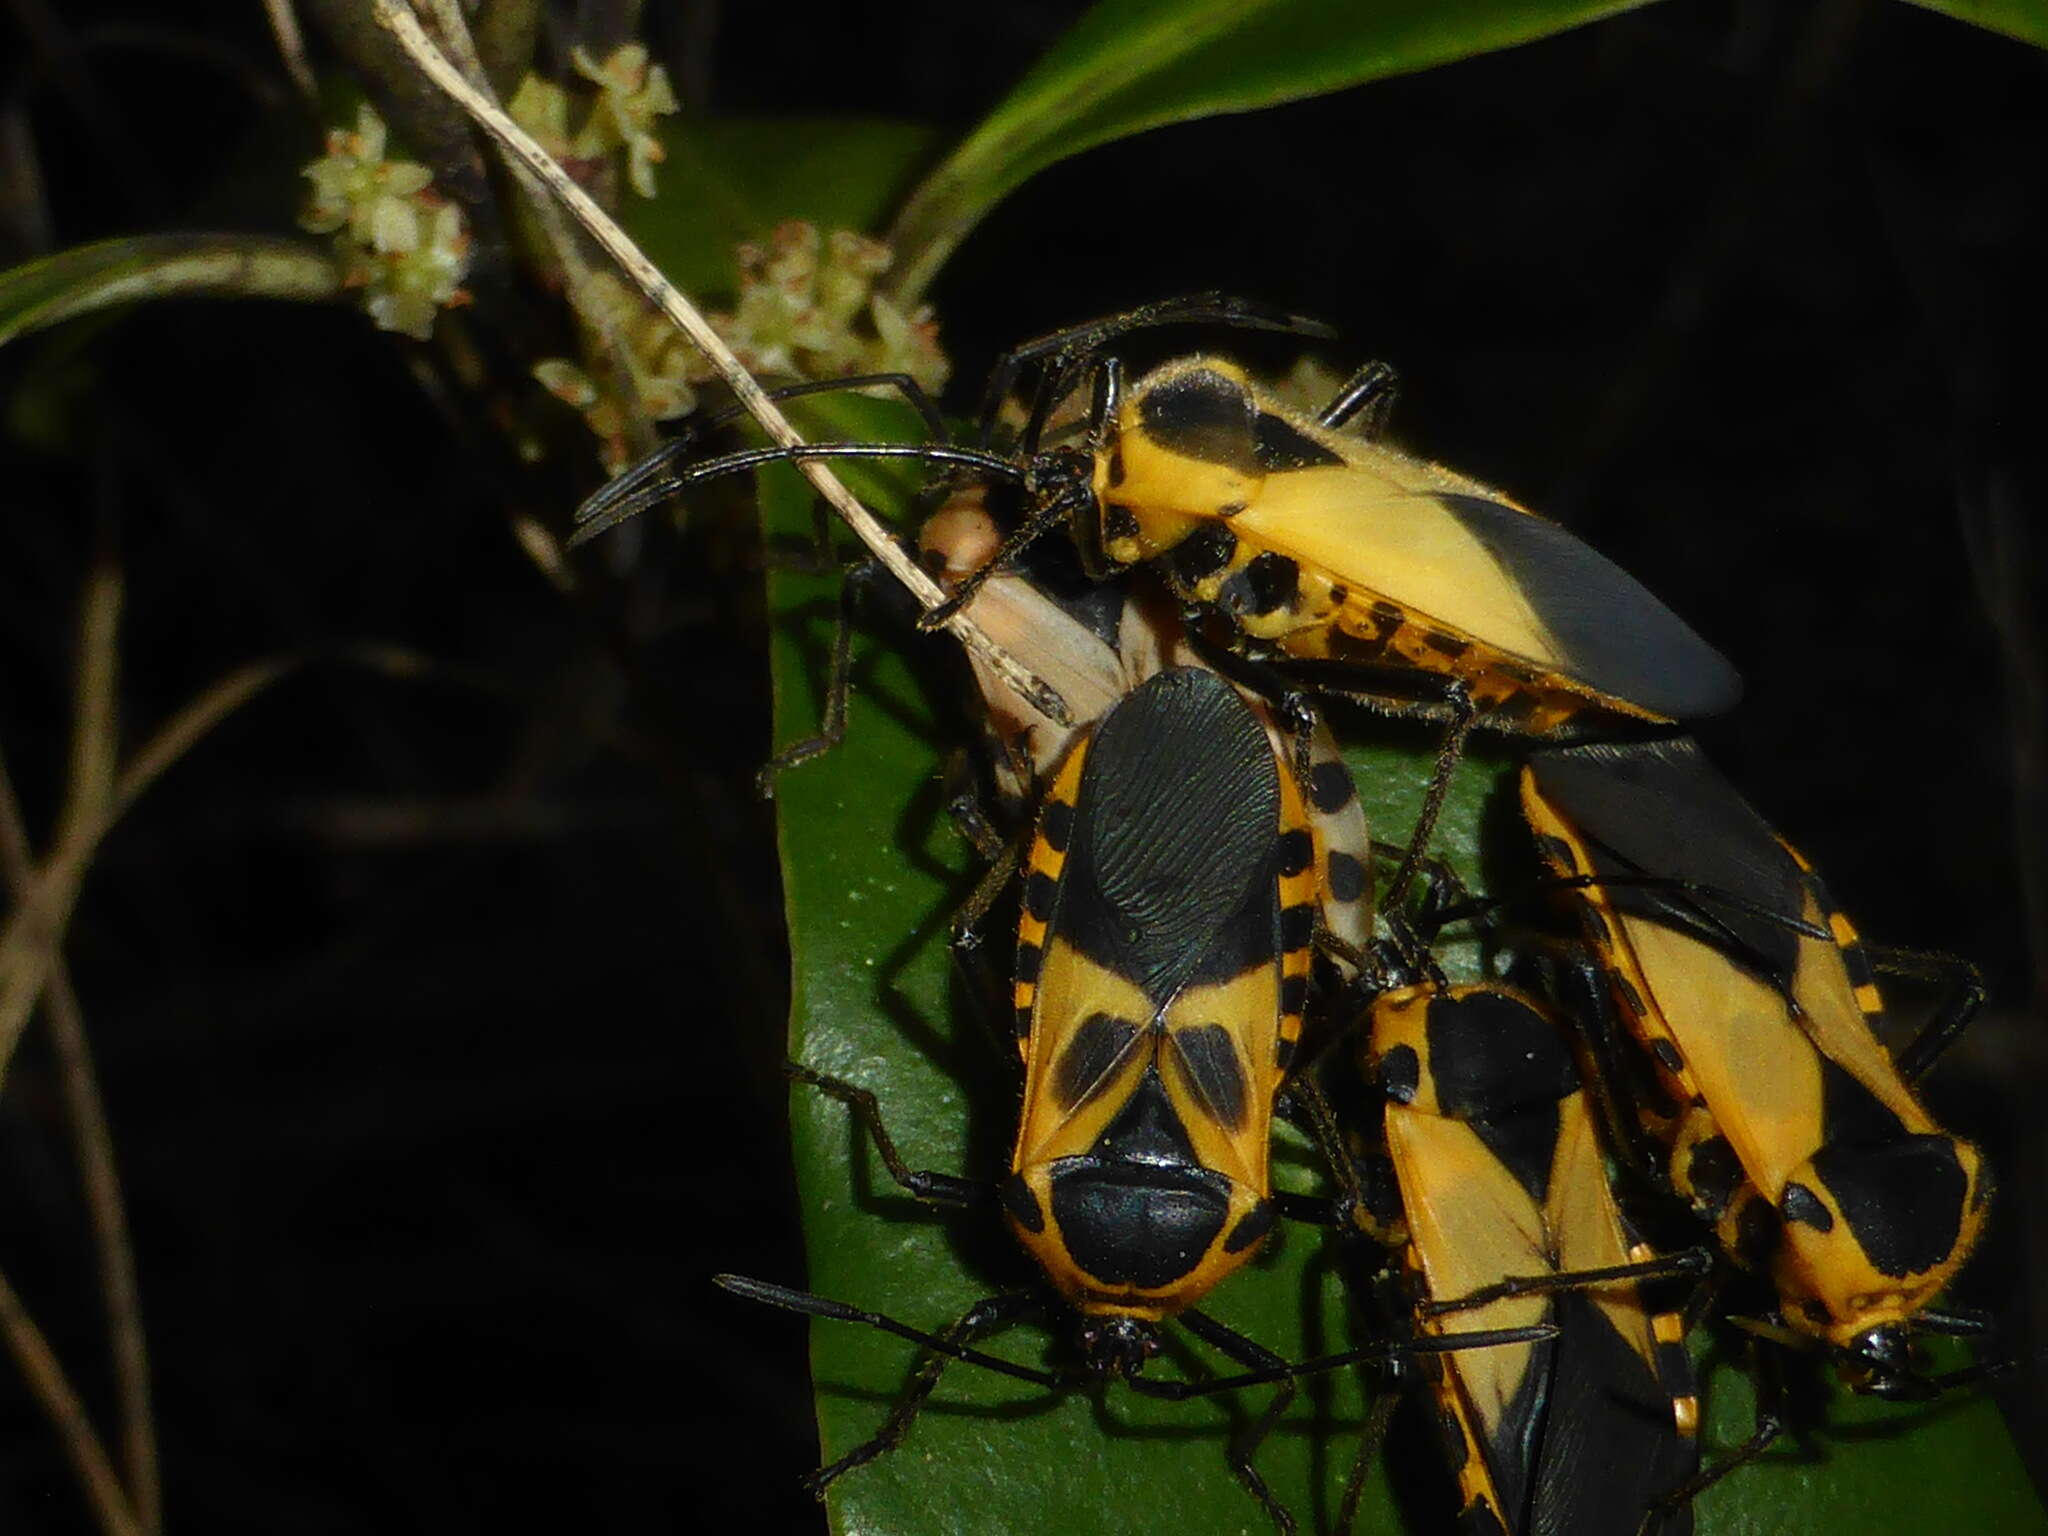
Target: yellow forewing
<point x="1585" y="1225"/>
<point x="1248" y="1007"/>
<point x="1835" y="1021"/>
<point x="1741" y="1045"/>
<point x="1071" y="990"/>
<point x="1472" y="1224"/>
<point x="1370" y="532"/>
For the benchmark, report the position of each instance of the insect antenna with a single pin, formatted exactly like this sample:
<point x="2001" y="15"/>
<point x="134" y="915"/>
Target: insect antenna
<point x="839" y="1312"/>
<point x="593" y="520"/>
<point x="1392" y="1349"/>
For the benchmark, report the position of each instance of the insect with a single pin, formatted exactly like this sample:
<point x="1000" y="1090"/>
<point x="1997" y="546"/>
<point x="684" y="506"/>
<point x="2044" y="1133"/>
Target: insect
<point x="1781" y="1116"/>
<point x="1308" y="543"/>
<point x="1510" y="1217"/>
<point x="1098" y="642"/>
<point x="1169" y="899"/>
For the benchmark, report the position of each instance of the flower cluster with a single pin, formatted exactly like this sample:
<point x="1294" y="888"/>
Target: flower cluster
<point x="632" y="93"/>
<point x="806" y="309"/>
<point x="399" y="241"/>
<point x="654" y="352"/>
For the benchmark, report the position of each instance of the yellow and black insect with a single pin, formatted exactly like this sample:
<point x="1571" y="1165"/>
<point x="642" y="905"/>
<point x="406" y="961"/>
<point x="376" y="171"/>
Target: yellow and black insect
<point x="1510" y="1221"/>
<point x="1312" y="544"/>
<point x="1779" y="1113"/>
<point x="1098" y="643"/>
<point x="1170" y="896"/>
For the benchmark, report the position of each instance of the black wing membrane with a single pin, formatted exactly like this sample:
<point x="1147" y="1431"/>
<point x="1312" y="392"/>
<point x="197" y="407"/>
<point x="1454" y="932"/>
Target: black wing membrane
<point x="1658" y="810"/>
<point x="1617" y="636"/>
<point x="1608" y="1448"/>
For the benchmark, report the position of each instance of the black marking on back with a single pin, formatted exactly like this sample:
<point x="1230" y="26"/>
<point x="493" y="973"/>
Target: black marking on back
<point x="1171" y="874"/>
<point x="1850" y="1112"/>
<point x="1297" y="925"/>
<point x="1099" y="1043"/>
<point x="1490" y="1053"/>
<point x="1297" y="848"/>
<point x="1202" y="415"/>
<point x="1903" y="1200"/>
<point x="1209" y="1065"/>
<point x="1525" y="1143"/>
<point x="1400" y="1072"/>
<point x="1038" y="893"/>
<point x="1119" y="521"/>
<point x="1345" y="874"/>
<point x="1281" y="445"/>
<point x="1268" y="583"/>
<point x="1800" y="1204"/>
<point x="1203" y="553"/>
<point x="1021" y="1203"/>
<point x="1659" y="809"/>
<point x="1255" y="1224"/>
<point x="1715" y="1173"/>
<point x="1613" y="634"/>
<point x="1138" y="1210"/>
<point x="1056" y="826"/>
<point x="1294" y="994"/>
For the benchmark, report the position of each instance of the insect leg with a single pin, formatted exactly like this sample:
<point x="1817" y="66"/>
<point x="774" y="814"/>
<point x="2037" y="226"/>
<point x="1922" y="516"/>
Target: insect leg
<point x="1686" y="1262"/>
<point x="832" y="725"/>
<point x="1769" y="1425"/>
<point x="955" y="1342"/>
<point x="1308" y="1097"/>
<point x="924" y="1184"/>
<point x="1248" y="1352"/>
<point x="1581" y="986"/>
<point x="1967" y="993"/>
<point x="1375" y="1435"/>
<point x="1369" y="395"/>
<point x="1448" y="753"/>
<point x="1045" y="515"/>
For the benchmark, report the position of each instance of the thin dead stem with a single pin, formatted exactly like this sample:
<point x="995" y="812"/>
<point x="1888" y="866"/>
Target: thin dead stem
<point x="46" y="1379"/>
<point x="405" y="26"/>
<point x="291" y="46"/>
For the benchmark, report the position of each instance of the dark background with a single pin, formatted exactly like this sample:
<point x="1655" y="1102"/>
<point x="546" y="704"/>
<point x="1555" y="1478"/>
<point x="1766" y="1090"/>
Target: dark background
<point x="436" y="1016"/>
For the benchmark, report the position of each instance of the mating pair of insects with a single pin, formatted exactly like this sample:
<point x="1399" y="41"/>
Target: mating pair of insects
<point x="1197" y="885"/>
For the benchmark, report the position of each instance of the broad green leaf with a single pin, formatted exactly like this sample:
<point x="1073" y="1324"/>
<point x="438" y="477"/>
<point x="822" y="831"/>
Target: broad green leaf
<point x="1129" y="65"/>
<point x="872" y="873"/>
<point x="140" y="267"/>
<point x="733" y="179"/>
<point x="2026" y="20"/>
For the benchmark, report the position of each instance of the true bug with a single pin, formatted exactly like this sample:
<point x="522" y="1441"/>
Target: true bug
<point x="1309" y="543"/>
<point x="1100" y="641"/>
<point x="1780" y="1114"/>
<point x="1168" y="906"/>
<point x="1505" y="1194"/>
<point x="1486" y="1172"/>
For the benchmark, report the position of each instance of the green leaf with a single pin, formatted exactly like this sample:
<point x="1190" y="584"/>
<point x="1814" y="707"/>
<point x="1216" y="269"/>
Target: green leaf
<point x="141" y="267"/>
<point x="733" y="179"/>
<point x="1129" y="65"/>
<point x="2026" y="20"/>
<point x="872" y="872"/>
